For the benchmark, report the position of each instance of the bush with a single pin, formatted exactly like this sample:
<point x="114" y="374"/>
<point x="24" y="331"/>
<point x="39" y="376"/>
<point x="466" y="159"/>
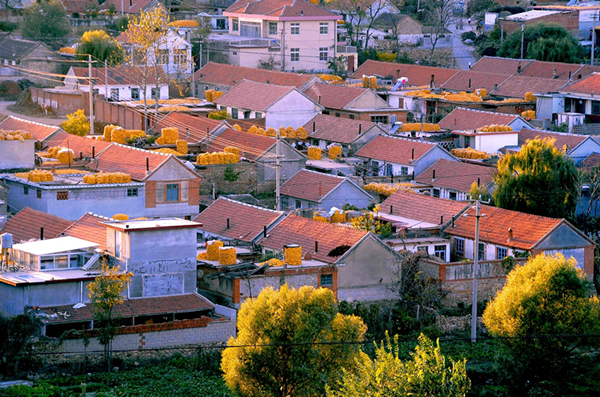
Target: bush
<point x="468" y="36"/>
<point x="7" y="26"/>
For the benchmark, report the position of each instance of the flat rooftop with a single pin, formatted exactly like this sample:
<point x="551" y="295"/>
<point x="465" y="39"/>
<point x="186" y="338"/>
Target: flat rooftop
<point x="55" y="245"/>
<point x="152" y="224"/>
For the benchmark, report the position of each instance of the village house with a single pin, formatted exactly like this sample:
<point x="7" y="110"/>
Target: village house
<point x="351" y="135"/>
<point x="30" y="225"/>
<point x="311" y="189"/>
<point x="18" y="56"/>
<point x="471" y="81"/>
<point x="40" y="132"/>
<point x="280" y="106"/>
<point x="222" y="77"/>
<point x="400" y="27"/>
<point x="130" y="7"/>
<point x="417" y="75"/>
<point x="117" y="83"/>
<point x="89" y="227"/>
<point x="354" y="103"/>
<point x="453" y="179"/>
<point x="567" y="19"/>
<point x="387" y="156"/>
<point x="578" y="147"/>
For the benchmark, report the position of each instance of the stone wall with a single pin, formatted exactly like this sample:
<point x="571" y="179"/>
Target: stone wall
<point x="462" y="290"/>
<point x="246" y="181"/>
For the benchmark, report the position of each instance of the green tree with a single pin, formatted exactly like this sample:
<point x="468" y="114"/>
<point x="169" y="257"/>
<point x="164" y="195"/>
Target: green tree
<point x="76" y="124"/>
<point x="542" y="300"/>
<point x="101" y="46"/>
<point x="479" y="192"/>
<point x="544" y="42"/>
<point x="280" y="333"/>
<point x="45" y="21"/>
<point x="16" y="335"/>
<point x="540" y="180"/>
<point x="105" y="292"/>
<point x="427" y="374"/>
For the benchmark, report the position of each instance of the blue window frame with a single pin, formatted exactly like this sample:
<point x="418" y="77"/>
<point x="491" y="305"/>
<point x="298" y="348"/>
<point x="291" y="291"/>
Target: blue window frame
<point x="172" y="192"/>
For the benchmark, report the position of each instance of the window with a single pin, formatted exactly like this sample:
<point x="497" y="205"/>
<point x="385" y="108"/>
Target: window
<point x="325" y="112"/>
<point x="351" y="117"/>
<point x="440" y="252"/>
<point x="247" y="114"/>
<point x="501" y="253"/>
<point x="326" y="280"/>
<point x="39" y="194"/>
<point x="298" y="204"/>
<point x="403" y="170"/>
<point x="459" y="247"/>
<point x="250" y="29"/>
<point x="117" y="243"/>
<point x="61" y="261"/>
<point x="452" y="196"/>
<point x="323" y="28"/>
<point x="272" y="27"/>
<point x="258" y="115"/>
<point x="135" y="94"/>
<point x="422" y="248"/>
<point x="467" y="141"/>
<point x="436" y="193"/>
<point x="235" y="24"/>
<point x="160" y="192"/>
<point x="337" y="114"/>
<point x="62" y="195"/>
<point x="234" y="113"/>
<point x="379" y="119"/>
<point x="155" y="93"/>
<point x="172" y="192"/>
<point x="295" y="28"/>
<point x="596" y="108"/>
<point x="481" y="251"/>
<point x="180" y="57"/>
<point x="46" y="262"/>
<point x="132" y="192"/>
<point x="295" y="54"/>
<point x="163" y="57"/>
<point x="25" y="190"/>
<point x="114" y="94"/>
<point x="323" y="53"/>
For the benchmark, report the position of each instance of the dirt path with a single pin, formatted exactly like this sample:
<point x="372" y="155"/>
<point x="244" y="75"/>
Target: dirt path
<point x="50" y="121"/>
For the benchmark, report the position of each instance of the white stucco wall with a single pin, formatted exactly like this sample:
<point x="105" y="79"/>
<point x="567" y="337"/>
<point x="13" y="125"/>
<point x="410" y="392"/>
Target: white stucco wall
<point x="17" y="154"/>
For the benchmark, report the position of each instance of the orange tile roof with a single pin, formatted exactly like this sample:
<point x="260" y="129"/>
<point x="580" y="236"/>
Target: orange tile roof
<point x="553" y="70"/>
<point x="310" y="185"/>
<point x="38" y="131"/>
<point x="251" y="146"/>
<point x="132" y="161"/>
<point x="304" y="232"/>
<point x="588" y="86"/>
<point x="246" y="124"/>
<point x="527" y="229"/>
<point x="230" y="75"/>
<point x="337" y="129"/>
<point x="280" y="8"/>
<point x="495" y="64"/>
<point x="131" y="307"/>
<point x="562" y="139"/>
<point x="470" y="80"/>
<point x="88" y="228"/>
<point x="590" y="162"/>
<point x="461" y="119"/>
<point x="394" y="150"/>
<point x="517" y="86"/>
<point x="26" y="225"/>
<point x="456" y="175"/>
<point x="246" y="221"/>
<point x="417" y="75"/>
<point x="333" y="96"/>
<point x="422" y="208"/>
<point x="77" y="144"/>
<point x="253" y="96"/>
<point x="198" y="126"/>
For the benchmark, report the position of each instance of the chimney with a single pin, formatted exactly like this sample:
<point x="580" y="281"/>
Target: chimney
<point x="478" y="181"/>
<point x="41" y="233"/>
<point x="442" y="220"/>
<point x="469" y="83"/>
<point x="455" y="122"/>
<point x="569" y="75"/>
<point x="412" y="153"/>
<point x="433" y="178"/>
<point x="147" y="164"/>
<point x="130" y="3"/>
<point x="264" y="231"/>
<point x="359" y="129"/>
<point x="554" y="72"/>
<point x="187" y="133"/>
<point x="510" y="234"/>
<point x="519" y="68"/>
<point x="453" y="222"/>
<point x="316" y="246"/>
<point x="227" y="223"/>
<point x="302" y="12"/>
<point x="314" y="126"/>
<point x="80" y="155"/>
<point x="320" y="189"/>
<point x="495" y="87"/>
<point x="93" y="151"/>
<point x="579" y="77"/>
<point x="319" y="99"/>
<point x="391" y="209"/>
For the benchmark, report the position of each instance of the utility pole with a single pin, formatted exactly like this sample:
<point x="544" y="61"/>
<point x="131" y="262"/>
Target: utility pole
<point x="91" y="86"/>
<point x="105" y="80"/>
<point x="593" y="37"/>
<point x="200" y="56"/>
<point x="193" y="77"/>
<point x="277" y="175"/>
<point x="475" y="268"/>
<point x="522" y="38"/>
<point x="283" y="47"/>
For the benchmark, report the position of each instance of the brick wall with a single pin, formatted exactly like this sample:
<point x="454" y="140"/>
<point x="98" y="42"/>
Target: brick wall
<point x="113" y="113"/>
<point x="246" y="181"/>
<point x="587" y="129"/>
<point x="60" y="103"/>
<point x="150" y="194"/>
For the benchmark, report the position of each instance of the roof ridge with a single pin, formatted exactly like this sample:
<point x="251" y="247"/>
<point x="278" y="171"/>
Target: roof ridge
<point x="400" y="138"/>
<point x="250" y="205"/>
<point x="32" y="122"/>
<point x="484" y="111"/>
<point x="98" y="216"/>
<point x="140" y="149"/>
<point x="558" y="133"/>
<point x="523" y="213"/>
<point x="320" y="173"/>
<point x="267" y="84"/>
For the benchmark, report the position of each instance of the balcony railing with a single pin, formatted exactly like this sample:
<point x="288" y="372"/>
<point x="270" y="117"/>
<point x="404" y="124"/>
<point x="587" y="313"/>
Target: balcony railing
<point x="250" y="43"/>
<point x="346" y="49"/>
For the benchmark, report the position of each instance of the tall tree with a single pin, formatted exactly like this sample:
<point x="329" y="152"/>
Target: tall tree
<point x="438" y="18"/>
<point x="101" y="46"/>
<point x="545" y="316"/>
<point x="540" y="180"/>
<point x="45" y="21"/>
<point x="427" y="374"/>
<point x="105" y="292"/>
<point x="279" y="334"/>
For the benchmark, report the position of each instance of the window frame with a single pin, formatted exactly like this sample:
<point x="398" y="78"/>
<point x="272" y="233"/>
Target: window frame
<point x="377" y="118"/>
<point x="323" y="28"/>
<point x="271" y="26"/>
<point x="498" y="250"/>
<point x="328" y="277"/>
<point x="451" y="194"/>
<point x="114" y="94"/>
<point x="135" y="94"/>
<point x="155" y="93"/>
<point x="132" y="192"/>
<point x="481" y="251"/>
<point x="459" y="247"/>
<point x="437" y="251"/>
<point x="295" y="28"/>
<point x="62" y="195"/>
<point x="294" y="54"/>
<point x="26" y="190"/>
<point x="323" y="54"/>
<point x="169" y="188"/>
<point x="235" y="25"/>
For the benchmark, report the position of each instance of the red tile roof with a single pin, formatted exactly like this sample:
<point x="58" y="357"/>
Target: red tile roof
<point x="517" y="86"/>
<point x="333" y="96"/>
<point x="135" y="8"/>
<point x="590" y="162"/>
<point x="26" y="225"/>
<point x="132" y="307"/>
<point x="280" y="8"/>
<point x="230" y="75"/>
<point x="456" y="175"/>
<point x="38" y="131"/>
<point x="337" y="129"/>
<point x="394" y="150"/>
<point x="552" y="70"/>
<point x="251" y="146"/>
<point x="562" y="139"/>
<point x="246" y="124"/>
<point x="78" y="6"/>
<point x="198" y="126"/>
<point x="77" y="143"/>
<point x="588" y="86"/>
<point x="310" y="185"/>
<point x="304" y="232"/>
<point x="461" y="119"/>
<point x="88" y="228"/>
<point x="246" y="221"/>
<point x="417" y="75"/>
<point x="495" y="64"/>
<point x="132" y="161"/>
<point x="121" y="75"/>
<point x="422" y="208"/>
<point x="253" y="96"/>
<point x="470" y="80"/>
<point x="527" y="229"/>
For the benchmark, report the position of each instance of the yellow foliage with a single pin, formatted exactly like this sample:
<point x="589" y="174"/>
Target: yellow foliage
<point x="271" y="132"/>
<point x="301" y="133"/>
<point x="76" y="124"/>
<point x="495" y="128"/>
<point x="290" y="132"/>
<point x="335" y="152"/>
<point x="107" y="289"/>
<point x="170" y="135"/>
<point x="227" y="256"/>
<point x="182" y="146"/>
<point x="283" y="133"/>
<point x="120" y="135"/>
<point x="14" y="135"/>
<point x="314" y="153"/>
<point x="120" y="217"/>
<point x="209" y="95"/>
<point x="36" y="176"/>
<point x="212" y="250"/>
<point x="293" y="254"/>
<point x="108" y="129"/>
<point x="232" y="149"/>
<point x="261" y="131"/>
<point x="253" y="130"/>
<point x="202" y="256"/>
<point x="160" y="140"/>
<point x="217" y="158"/>
<point x="470" y="153"/>
<point x="407" y="127"/>
<point x="216" y="95"/>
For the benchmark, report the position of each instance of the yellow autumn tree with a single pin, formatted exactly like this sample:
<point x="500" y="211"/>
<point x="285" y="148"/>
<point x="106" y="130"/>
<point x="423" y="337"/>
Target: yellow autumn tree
<point x="280" y="334"/>
<point x="76" y="124"/>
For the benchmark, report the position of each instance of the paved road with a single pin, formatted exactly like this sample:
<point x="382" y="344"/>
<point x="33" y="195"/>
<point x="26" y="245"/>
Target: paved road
<point x="462" y="52"/>
<point x="50" y="121"/>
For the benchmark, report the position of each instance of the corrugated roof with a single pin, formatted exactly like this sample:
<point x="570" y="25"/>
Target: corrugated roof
<point x="496" y="64"/>
<point x="251" y="146"/>
<point x="26" y="225"/>
<point x="456" y="175"/>
<point x="469" y="80"/>
<point x="562" y="139"/>
<point x="77" y="144"/>
<point x="554" y="70"/>
<point x="197" y="126"/>
<point x="518" y="86"/>
<point x="589" y="85"/>
<point x="132" y="161"/>
<point x="16" y="49"/>
<point x="394" y="150"/>
<point x="590" y="162"/>
<point x="118" y="75"/>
